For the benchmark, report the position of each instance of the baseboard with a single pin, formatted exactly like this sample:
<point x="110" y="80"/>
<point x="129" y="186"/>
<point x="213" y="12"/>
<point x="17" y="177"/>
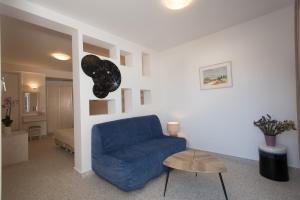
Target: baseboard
<point x="87" y="174"/>
<point x="244" y="160"/>
<point x="84" y="174"/>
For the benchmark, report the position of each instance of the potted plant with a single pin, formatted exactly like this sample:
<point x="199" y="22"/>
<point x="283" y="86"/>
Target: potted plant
<point x="8" y="103"/>
<point x="271" y="127"/>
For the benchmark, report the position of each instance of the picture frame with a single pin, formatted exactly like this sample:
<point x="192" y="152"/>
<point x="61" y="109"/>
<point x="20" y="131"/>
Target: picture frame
<point x="216" y="76"/>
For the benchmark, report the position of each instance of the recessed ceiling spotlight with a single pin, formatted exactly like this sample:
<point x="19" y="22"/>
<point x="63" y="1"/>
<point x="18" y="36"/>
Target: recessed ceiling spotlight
<point x="60" y="56"/>
<point x="176" y="4"/>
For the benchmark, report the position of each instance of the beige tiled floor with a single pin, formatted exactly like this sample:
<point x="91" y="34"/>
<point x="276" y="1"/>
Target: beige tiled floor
<point x="49" y="175"/>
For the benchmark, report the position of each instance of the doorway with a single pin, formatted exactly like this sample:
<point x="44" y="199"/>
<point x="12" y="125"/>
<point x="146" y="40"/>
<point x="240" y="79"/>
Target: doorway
<point x="29" y="71"/>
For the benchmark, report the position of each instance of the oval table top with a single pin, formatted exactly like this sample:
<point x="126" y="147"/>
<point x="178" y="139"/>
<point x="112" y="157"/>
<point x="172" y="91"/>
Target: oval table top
<point x="193" y="160"/>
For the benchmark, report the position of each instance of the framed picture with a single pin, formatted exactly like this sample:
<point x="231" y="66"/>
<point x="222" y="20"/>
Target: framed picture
<point x="216" y="76"/>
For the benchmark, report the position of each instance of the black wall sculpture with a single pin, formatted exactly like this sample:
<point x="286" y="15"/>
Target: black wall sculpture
<point x="105" y="74"/>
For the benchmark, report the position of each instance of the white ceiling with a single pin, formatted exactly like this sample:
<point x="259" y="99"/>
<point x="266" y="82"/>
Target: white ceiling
<point x="29" y="45"/>
<point x="149" y="23"/>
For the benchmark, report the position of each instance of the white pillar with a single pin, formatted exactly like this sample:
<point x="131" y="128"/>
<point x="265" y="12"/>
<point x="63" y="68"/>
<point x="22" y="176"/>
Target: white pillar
<point x="77" y="46"/>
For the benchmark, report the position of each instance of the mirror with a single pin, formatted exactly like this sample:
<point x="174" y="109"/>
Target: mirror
<point x="30" y="102"/>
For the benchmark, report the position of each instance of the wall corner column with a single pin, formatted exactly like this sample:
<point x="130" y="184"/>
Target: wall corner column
<point x="77" y="46"/>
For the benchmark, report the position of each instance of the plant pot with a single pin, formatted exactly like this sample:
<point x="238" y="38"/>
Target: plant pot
<point x="270" y="140"/>
<point x="7" y="130"/>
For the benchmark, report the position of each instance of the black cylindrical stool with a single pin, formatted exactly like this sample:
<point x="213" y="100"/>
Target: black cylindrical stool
<point x="273" y="162"/>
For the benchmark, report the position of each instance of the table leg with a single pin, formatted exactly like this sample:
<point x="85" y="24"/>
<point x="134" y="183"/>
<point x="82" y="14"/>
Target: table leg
<point x="223" y="186"/>
<point x="167" y="180"/>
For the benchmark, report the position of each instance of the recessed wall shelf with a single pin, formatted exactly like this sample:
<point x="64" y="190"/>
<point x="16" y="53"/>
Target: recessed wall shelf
<point x="145" y="96"/>
<point x="99" y="47"/>
<point x="126" y="94"/>
<point x="101" y="51"/>
<point x="102" y="107"/>
<point x="126" y="58"/>
<point x="146" y="65"/>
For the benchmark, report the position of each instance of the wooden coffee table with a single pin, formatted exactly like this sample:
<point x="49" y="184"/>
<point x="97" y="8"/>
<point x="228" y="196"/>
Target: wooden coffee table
<point x="195" y="161"/>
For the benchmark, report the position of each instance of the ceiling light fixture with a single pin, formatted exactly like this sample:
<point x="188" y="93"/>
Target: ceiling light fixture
<point x="60" y="56"/>
<point x="176" y="4"/>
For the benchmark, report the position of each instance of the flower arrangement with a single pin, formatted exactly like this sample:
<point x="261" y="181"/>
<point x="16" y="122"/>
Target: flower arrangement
<point x="8" y="103"/>
<point x="271" y="127"/>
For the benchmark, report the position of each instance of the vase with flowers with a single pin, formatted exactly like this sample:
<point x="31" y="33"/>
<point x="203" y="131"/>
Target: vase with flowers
<point x="271" y="127"/>
<point x="7" y="105"/>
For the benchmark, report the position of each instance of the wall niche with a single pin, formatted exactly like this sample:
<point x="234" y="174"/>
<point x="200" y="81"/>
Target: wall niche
<point x="126" y="94"/>
<point x="126" y="58"/>
<point x="98" y="47"/>
<point x="102" y="107"/>
<point x="145" y="96"/>
<point x="146" y="65"/>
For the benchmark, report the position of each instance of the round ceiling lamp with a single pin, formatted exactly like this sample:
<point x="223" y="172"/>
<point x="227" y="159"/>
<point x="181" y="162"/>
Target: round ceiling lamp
<point x="61" y="56"/>
<point x="176" y="4"/>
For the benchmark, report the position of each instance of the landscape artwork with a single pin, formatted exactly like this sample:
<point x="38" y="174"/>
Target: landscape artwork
<point x="216" y="76"/>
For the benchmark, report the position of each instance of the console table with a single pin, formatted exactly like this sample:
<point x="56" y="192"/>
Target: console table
<point x="14" y="147"/>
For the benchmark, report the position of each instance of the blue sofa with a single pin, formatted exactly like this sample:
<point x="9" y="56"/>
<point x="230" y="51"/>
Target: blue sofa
<point x="129" y="152"/>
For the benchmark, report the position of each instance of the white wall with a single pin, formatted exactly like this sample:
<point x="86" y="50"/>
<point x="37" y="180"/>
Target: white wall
<point x="221" y="120"/>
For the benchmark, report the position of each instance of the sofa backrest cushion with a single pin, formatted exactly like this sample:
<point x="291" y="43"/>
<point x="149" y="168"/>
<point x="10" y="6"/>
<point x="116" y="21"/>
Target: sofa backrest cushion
<point x="115" y="135"/>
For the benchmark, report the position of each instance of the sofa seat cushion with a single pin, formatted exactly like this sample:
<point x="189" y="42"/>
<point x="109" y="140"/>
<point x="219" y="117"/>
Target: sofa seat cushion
<point x="161" y="147"/>
<point x="135" y="165"/>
